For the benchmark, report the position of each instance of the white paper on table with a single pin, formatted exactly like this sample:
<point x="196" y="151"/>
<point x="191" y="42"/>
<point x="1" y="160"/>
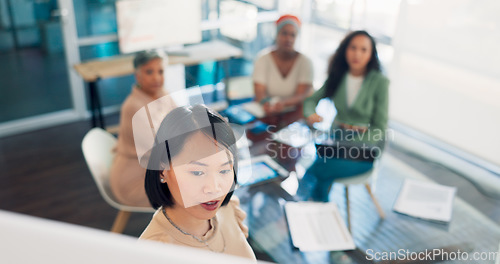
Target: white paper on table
<point x="426" y="200"/>
<point x="254" y="108"/>
<point x="317" y="226"/>
<point x="295" y="135"/>
<point x="257" y="110"/>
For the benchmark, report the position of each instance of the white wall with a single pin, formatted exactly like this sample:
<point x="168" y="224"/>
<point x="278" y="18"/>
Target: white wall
<point x="445" y="75"/>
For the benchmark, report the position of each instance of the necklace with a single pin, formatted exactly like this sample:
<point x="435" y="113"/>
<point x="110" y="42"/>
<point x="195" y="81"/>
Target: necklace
<point x="205" y="242"/>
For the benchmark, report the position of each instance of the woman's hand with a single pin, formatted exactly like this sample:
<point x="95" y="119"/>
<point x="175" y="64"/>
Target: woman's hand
<point x="359" y="129"/>
<point x="314" y="118"/>
<point x="273" y="108"/>
<point x="277" y="107"/>
<point x="267" y="108"/>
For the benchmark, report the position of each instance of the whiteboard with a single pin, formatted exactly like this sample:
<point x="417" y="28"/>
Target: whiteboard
<point x="150" y="24"/>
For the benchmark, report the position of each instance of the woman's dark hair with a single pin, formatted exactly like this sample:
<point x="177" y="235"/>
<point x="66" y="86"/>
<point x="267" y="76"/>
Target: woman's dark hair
<point x="338" y="67"/>
<point x="175" y="129"/>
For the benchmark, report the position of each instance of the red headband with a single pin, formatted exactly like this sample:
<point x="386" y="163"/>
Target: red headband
<point x="288" y="17"/>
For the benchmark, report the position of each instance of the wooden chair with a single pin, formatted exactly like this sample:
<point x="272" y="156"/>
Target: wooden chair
<point x="363" y="178"/>
<point x="97" y="148"/>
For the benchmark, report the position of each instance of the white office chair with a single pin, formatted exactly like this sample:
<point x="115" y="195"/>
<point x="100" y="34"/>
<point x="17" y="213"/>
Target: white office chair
<point x="363" y="178"/>
<point x="97" y="148"/>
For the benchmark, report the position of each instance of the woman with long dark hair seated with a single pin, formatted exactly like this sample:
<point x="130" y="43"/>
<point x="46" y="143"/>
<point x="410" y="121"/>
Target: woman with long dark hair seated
<point x="190" y="179"/>
<point x="360" y="93"/>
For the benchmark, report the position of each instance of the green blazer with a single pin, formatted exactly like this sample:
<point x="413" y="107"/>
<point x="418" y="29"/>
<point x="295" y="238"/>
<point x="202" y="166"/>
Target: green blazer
<point x="370" y="108"/>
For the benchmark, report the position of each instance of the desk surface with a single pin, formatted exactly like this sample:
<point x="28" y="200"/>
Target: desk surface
<point x="122" y="65"/>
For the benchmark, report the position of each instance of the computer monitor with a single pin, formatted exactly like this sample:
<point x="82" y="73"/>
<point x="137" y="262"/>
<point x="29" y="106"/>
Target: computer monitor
<point x="27" y="239"/>
<point x="150" y="24"/>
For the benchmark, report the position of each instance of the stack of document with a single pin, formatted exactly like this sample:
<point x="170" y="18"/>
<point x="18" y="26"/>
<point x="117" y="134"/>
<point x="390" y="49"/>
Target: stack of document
<point x="295" y="135"/>
<point x="317" y="226"/>
<point x="257" y="110"/>
<point x="254" y="108"/>
<point x="426" y="200"/>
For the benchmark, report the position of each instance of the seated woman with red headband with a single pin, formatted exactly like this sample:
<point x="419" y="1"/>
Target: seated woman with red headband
<point x="283" y="76"/>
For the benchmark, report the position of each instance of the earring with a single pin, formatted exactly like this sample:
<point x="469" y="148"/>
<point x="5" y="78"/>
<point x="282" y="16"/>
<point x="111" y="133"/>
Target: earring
<point x="162" y="180"/>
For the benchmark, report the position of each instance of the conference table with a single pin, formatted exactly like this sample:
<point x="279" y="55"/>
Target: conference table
<point x="469" y="231"/>
<point x="94" y="70"/>
<point x="264" y="204"/>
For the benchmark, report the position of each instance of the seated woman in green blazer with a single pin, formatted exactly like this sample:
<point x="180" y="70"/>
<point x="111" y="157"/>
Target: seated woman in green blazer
<point x="360" y="93"/>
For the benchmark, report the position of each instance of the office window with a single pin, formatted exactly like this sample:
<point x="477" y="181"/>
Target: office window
<point x="377" y="17"/>
<point x="95" y="17"/>
<point x="334" y="13"/>
<point x="445" y="73"/>
<point x="264" y="4"/>
<point x="241" y="18"/>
